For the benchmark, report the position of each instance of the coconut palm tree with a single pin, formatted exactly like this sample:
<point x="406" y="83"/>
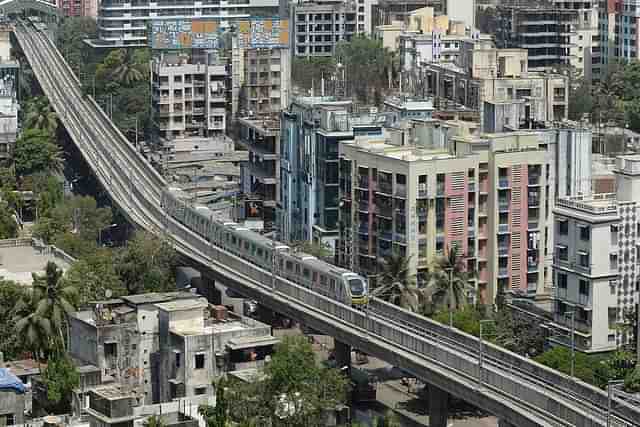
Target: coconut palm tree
<point x="448" y="283"/>
<point x="128" y="71"/>
<point x="54" y="299"/>
<point x="40" y="115"/>
<point x="34" y="328"/>
<point x="396" y="284"/>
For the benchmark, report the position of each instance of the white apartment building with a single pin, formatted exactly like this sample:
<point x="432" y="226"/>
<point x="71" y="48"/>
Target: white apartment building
<point x="596" y="261"/>
<point x="189" y="99"/>
<point x="124" y="23"/>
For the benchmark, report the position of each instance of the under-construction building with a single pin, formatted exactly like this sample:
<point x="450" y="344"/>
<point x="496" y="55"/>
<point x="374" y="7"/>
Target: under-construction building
<point x="545" y="32"/>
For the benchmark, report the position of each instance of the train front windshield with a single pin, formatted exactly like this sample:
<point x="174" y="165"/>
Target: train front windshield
<point x="356" y="286"/>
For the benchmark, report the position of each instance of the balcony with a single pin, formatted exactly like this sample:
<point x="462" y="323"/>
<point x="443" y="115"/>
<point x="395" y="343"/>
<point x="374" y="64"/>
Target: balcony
<point x="534" y="180"/>
<point x="363" y="206"/>
<point x="363" y="229"/>
<point x="533" y="223"/>
<point x="400" y="238"/>
<point x="440" y="189"/>
<point x="503" y="205"/>
<point x="503" y="272"/>
<point x="583" y="300"/>
<point x="503" y="250"/>
<point x="421" y="212"/>
<point x="385" y="252"/>
<point x="385" y="235"/>
<point x="401" y="190"/>
<point x="582" y="325"/>
<point x="503" y="182"/>
<point x="503" y="228"/>
<point x="472" y="187"/>
<point x="363" y="182"/>
<point x="385" y="187"/>
<point x="384" y="211"/>
<point x="532" y="266"/>
<point x="471" y="232"/>
<point x="533" y="201"/>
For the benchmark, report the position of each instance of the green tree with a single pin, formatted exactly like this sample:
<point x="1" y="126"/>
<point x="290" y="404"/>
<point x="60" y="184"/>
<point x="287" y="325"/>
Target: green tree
<point x="632" y="381"/>
<point x="8" y="224"/>
<point x="318" y="250"/>
<point x="147" y="264"/>
<point x="40" y="115"/>
<point x="54" y="300"/>
<point x="294" y="391"/>
<point x="95" y="277"/>
<point x="11" y="344"/>
<point x="216" y="416"/>
<point x="32" y="326"/>
<point x="559" y="358"/>
<point x="396" y="284"/>
<point x="71" y="35"/>
<point x="35" y="152"/>
<point x="154" y="421"/>
<point x="467" y="319"/>
<point x="308" y="72"/>
<point x="448" y="284"/>
<point x="60" y="378"/>
<point x="367" y="65"/>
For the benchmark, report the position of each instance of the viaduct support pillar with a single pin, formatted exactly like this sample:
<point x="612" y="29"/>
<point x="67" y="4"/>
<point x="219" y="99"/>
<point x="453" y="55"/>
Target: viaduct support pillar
<point x="438" y="406"/>
<point x="343" y="356"/>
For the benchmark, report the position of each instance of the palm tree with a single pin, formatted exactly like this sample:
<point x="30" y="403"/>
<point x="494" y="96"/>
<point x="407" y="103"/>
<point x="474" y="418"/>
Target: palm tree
<point x="41" y="116"/>
<point x="397" y="285"/>
<point x="449" y="281"/>
<point x="54" y="299"/>
<point x="34" y="328"/>
<point x="127" y="72"/>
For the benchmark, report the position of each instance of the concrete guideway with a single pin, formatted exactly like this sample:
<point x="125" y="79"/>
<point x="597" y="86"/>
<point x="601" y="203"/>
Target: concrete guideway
<point x="529" y="395"/>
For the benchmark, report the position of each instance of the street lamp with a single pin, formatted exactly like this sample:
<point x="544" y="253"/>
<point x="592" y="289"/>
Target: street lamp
<point x="101" y="230"/>
<point x="481" y="357"/>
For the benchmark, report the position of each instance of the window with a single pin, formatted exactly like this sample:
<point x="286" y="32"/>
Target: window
<point x="563" y="253"/>
<point x="198" y="391"/>
<point x="585" y="232"/>
<point x="584" y="287"/>
<point x="583" y="259"/>
<point x="199" y="361"/>
<point x="178" y="359"/>
<point x="110" y="350"/>
<point x="613" y="316"/>
<point x="563" y="227"/>
<point x="562" y="281"/>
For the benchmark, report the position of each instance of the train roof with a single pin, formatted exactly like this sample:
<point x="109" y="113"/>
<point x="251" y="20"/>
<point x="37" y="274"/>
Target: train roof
<point x="257" y="238"/>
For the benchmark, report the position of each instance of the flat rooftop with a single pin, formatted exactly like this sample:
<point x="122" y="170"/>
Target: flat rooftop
<point x="405" y="153"/>
<point x="20" y="259"/>
<point x="157" y="297"/>
<point x="183" y="305"/>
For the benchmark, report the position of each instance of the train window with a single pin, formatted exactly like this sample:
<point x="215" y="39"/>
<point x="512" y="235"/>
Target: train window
<point x="233" y="240"/>
<point x="298" y="269"/>
<point x="280" y="264"/>
<point x="246" y="246"/>
<point x="289" y="265"/>
<point x="306" y="273"/>
<point x="323" y="280"/>
<point x="259" y="252"/>
<point x="332" y="285"/>
<point x="253" y="249"/>
<point x="315" y="276"/>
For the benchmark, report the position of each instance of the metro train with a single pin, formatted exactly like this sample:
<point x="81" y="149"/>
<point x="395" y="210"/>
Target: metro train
<point x="304" y="269"/>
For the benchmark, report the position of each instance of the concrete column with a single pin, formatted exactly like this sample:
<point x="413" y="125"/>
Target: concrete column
<point x="343" y="356"/>
<point x="503" y="423"/>
<point x="438" y="406"/>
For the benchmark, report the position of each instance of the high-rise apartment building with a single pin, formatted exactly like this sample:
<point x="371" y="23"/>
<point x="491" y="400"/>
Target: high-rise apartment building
<point x="87" y="8"/>
<point x="490" y="198"/>
<point x="596" y="262"/>
<point x="312" y="131"/>
<point x="619" y="25"/>
<point x="126" y="22"/>
<point x="320" y="25"/>
<point x="189" y="99"/>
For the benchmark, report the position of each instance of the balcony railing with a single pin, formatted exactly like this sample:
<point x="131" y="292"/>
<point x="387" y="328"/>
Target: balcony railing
<point x="472" y="187"/>
<point x="385" y="211"/>
<point x="579" y="324"/>
<point x="534" y="179"/>
<point x="401" y="190"/>
<point x="385" y="187"/>
<point x="503" y="182"/>
<point x="363" y="182"/>
<point x="363" y="206"/>
<point x="503" y="228"/>
<point x="533" y="223"/>
<point x="503" y="206"/>
<point x="399" y="237"/>
<point x="422" y="212"/>
<point x="503" y="250"/>
<point x="385" y="235"/>
<point x="503" y="272"/>
<point x="440" y="189"/>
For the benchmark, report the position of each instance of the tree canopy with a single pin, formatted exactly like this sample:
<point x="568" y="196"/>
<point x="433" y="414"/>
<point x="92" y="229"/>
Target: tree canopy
<point x="35" y="152"/>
